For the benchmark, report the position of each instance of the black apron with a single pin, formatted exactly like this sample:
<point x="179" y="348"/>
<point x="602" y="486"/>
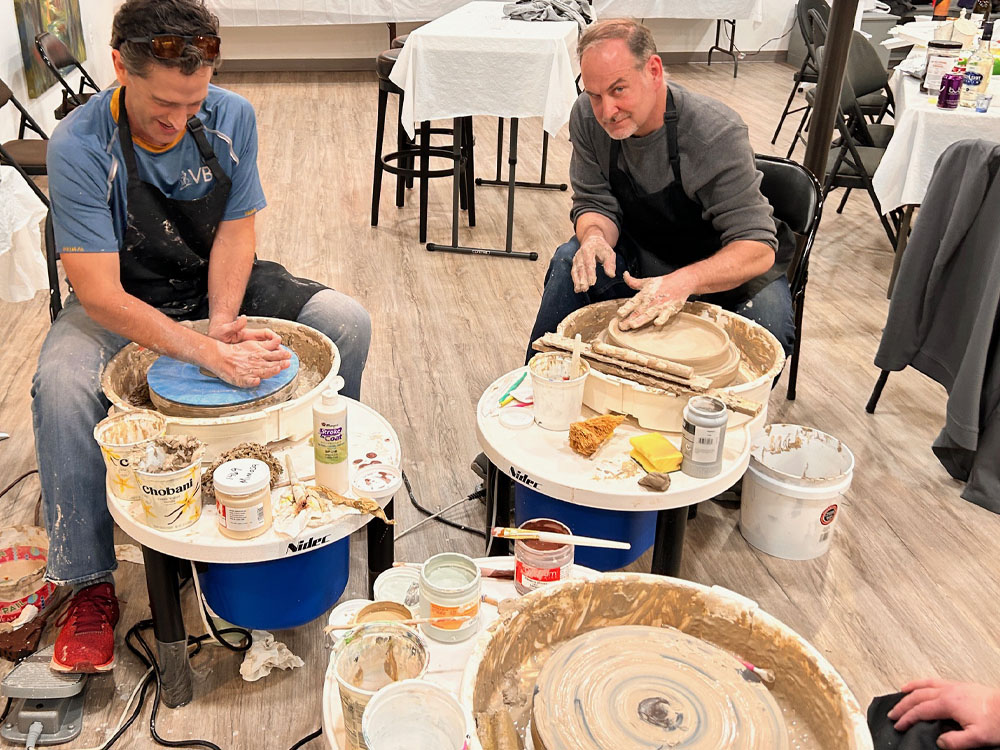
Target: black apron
<point x="165" y="253"/>
<point x="664" y="231"/>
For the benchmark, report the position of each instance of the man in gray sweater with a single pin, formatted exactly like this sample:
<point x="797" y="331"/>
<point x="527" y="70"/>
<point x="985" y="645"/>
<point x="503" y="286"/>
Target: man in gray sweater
<point x="666" y="199"/>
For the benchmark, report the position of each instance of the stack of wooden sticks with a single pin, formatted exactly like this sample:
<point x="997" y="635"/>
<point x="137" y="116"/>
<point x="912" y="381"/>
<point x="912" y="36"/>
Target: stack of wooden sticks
<point x="654" y="372"/>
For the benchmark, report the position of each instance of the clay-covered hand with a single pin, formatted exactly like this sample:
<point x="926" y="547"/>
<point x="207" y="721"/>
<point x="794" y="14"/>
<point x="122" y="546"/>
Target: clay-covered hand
<point x="593" y="250"/>
<point x="659" y="299"/>
<point x="975" y="707"/>
<point x="237" y="331"/>
<point x="247" y="363"/>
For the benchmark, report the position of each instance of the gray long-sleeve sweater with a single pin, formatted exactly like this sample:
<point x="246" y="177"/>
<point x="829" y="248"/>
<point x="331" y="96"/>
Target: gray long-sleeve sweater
<point x="717" y="166"/>
<point x="945" y="312"/>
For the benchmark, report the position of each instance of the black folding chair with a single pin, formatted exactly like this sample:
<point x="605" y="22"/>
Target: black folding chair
<point x="852" y="160"/>
<point x="869" y="79"/>
<point x="28" y="153"/>
<point x="808" y="71"/>
<point x="56" y="56"/>
<point x="797" y="199"/>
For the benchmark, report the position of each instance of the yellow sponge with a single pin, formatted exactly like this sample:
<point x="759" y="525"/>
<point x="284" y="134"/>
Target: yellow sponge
<point x="655" y="453"/>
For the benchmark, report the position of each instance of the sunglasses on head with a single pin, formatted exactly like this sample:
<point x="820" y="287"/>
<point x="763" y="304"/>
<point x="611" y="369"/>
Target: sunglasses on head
<point x="171" y="46"/>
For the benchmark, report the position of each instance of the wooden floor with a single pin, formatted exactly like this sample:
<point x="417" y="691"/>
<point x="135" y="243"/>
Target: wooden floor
<point x="910" y="587"/>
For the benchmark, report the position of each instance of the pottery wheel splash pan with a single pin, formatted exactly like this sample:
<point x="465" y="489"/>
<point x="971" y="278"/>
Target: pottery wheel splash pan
<point x="509" y="662"/>
<point x="182" y="389"/>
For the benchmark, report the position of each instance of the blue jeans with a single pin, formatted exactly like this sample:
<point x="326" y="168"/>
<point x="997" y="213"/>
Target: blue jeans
<point x="67" y="401"/>
<point x="771" y="307"/>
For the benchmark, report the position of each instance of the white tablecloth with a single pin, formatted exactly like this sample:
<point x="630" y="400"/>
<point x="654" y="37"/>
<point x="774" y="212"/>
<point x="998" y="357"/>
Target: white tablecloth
<point x="474" y="61"/>
<point x="22" y="265"/>
<point x="307" y="12"/>
<point x="922" y="134"/>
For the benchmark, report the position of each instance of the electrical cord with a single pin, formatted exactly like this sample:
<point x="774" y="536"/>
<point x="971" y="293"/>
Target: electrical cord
<point x="13" y="484"/>
<point x="445" y="521"/>
<point x="307" y="739"/>
<point x="761" y="47"/>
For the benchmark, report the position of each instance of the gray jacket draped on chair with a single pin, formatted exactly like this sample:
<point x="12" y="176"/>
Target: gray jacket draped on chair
<point x="944" y="318"/>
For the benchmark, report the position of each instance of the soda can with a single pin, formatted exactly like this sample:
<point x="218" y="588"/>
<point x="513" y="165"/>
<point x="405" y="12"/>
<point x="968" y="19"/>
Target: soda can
<point x="951" y="90"/>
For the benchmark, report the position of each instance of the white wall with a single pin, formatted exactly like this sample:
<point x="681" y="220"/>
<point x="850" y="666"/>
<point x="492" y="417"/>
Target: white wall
<point x="96" y="18"/>
<point x="367" y="40"/>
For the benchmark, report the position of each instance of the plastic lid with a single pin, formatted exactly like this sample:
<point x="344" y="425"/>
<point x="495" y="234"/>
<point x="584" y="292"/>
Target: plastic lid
<point x="377" y="481"/>
<point x="944" y="44"/>
<point x="241" y="476"/>
<point x="331" y="396"/>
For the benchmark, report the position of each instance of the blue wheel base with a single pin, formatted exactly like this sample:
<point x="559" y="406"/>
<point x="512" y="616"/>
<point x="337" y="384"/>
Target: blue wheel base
<point x="184" y="384"/>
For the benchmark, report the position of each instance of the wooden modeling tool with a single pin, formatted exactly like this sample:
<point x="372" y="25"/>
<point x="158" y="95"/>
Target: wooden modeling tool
<point x="555" y="538"/>
<point x="414" y="621"/>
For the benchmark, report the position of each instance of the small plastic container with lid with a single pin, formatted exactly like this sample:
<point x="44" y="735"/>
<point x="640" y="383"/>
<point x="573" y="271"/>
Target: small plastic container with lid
<point x="243" y="498"/>
<point x="450" y="586"/>
<point x="704" y="437"/>
<point x="539" y="563"/>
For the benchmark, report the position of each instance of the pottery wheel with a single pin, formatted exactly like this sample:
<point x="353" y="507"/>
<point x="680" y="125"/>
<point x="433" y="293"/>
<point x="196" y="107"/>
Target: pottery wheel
<point x="646" y="688"/>
<point x="181" y="389"/>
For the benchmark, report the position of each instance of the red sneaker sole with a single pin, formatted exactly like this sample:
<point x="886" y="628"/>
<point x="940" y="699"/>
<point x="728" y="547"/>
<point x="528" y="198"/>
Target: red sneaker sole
<point x="84" y="667"/>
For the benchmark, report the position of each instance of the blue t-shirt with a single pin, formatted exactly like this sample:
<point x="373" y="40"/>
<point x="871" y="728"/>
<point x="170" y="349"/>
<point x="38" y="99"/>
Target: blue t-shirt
<point x="87" y="173"/>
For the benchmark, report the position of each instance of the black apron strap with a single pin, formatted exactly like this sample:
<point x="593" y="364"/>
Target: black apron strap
<point x="197" y="130"/>
<point x="125" y="137"/>
<point x="673" y="150"/>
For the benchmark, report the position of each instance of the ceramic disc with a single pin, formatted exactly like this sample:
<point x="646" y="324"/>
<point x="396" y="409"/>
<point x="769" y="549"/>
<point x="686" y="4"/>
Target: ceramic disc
<point x="184" y="384"/>
<point x="647" y="688"/>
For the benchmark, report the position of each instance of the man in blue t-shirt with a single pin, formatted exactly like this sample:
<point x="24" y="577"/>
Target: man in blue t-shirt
<point x="154" y="190"/>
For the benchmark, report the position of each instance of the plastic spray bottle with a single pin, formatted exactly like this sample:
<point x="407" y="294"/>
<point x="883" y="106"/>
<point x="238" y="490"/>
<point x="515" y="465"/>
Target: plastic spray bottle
<point x="330" y="439"/>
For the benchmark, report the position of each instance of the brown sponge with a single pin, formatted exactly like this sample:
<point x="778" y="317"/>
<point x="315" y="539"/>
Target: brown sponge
<point x="587" y="436"/>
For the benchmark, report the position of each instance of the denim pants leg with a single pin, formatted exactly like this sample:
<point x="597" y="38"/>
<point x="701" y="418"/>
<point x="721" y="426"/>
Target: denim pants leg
<point x="559" y="298"/>
<point x="67" y="402"/>
<point x="772" y="308"/>
<point x="348" y="325"/>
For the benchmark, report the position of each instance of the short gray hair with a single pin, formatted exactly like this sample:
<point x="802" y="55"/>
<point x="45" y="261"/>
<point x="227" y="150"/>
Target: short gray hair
<point x="143" y="18"/>
<point x="638" y="37"/>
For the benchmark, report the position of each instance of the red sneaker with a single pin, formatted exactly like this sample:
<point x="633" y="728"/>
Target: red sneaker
<point x="86" y="642"/>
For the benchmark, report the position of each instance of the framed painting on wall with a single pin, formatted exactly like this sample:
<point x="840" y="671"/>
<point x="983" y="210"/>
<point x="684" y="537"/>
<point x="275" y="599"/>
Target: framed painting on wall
<point x="59" y="17"/>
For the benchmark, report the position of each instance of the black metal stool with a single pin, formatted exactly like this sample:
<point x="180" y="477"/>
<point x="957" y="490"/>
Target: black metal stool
<point x="401" y="161"/>
<point x="399" y="42"/>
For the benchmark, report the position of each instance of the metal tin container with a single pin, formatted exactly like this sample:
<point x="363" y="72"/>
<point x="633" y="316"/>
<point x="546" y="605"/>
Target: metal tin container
<point x="951" y="91"/>
<point x="539" y="563"/>
<point x="704" y="436"/>
<point x="450" y="586"/>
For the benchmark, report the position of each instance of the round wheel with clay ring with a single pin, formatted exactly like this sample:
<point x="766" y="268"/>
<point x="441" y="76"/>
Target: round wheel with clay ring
<point x="647" y="688"/>
<point x="182" y="389"/>
<point x="686" y="339"/>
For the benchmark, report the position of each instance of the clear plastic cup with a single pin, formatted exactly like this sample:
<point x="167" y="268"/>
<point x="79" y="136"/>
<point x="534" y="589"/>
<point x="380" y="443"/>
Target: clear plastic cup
<point x="558" y="393"/>
<point x="983" y="102"/>
<point x="367" y="659"/>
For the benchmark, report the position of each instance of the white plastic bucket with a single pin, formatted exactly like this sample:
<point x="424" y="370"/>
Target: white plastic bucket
<point x="791" y="492"/>
<point x="558" y="393"/>
<point x="416" y="715"/>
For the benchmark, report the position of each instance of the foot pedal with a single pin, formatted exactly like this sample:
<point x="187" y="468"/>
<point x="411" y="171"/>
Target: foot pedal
<point x="47" y="706"/>
<point x="480" y="465"/>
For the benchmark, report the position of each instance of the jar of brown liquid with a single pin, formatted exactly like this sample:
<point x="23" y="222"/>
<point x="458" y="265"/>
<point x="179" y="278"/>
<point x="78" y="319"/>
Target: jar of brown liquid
<point x="537" y="563"/>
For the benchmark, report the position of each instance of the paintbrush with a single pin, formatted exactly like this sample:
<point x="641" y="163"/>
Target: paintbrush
<point x="553" y="537"/>
<point x="414" y="621"/>
<point x="766" y="675"/>
<point x="495" y="573"/>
